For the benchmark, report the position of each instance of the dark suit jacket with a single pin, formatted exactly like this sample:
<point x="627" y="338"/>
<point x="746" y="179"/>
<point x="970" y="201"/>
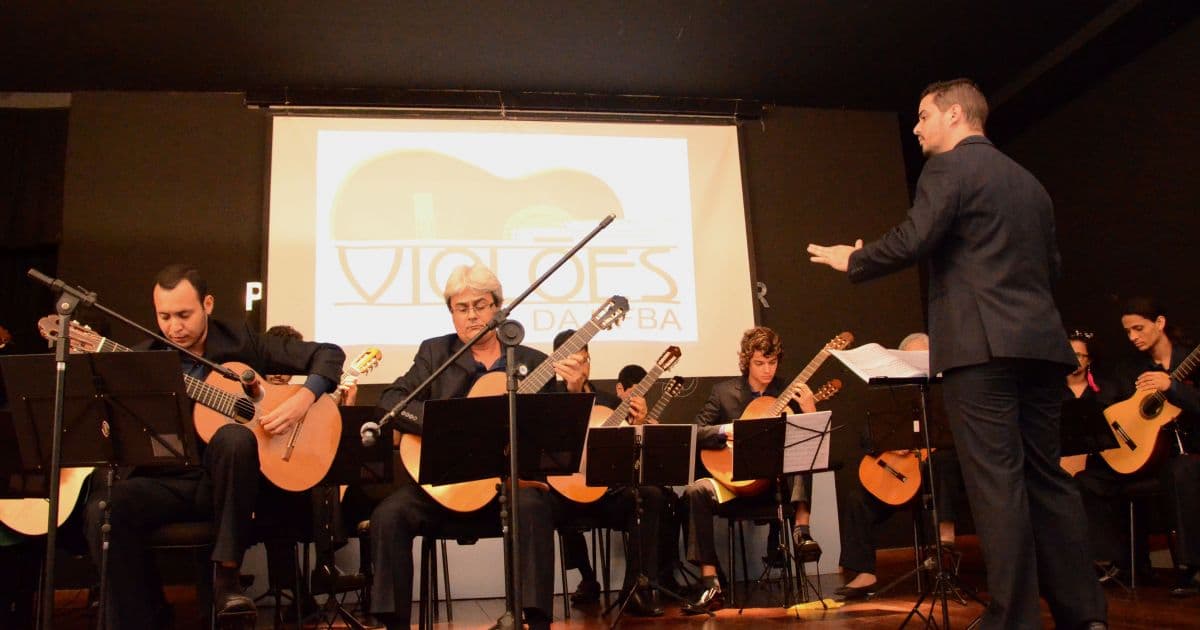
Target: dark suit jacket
<point x="726" y="403"/>
<point x="986" y="226"/>
<point x="455" y="382"/>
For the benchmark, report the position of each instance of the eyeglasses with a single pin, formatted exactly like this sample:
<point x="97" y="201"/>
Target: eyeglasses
<point x="478" y="307"/>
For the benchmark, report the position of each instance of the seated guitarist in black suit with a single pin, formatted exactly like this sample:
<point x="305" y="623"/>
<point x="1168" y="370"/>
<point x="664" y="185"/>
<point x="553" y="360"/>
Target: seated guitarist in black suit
<point x="616" y="508"/>
<point x="472" y="296"/>
<point x="228" y="488"/>
<point x="862" y="512"/>
<point x="758" y="358"/>
<point x="1177" y="472"/>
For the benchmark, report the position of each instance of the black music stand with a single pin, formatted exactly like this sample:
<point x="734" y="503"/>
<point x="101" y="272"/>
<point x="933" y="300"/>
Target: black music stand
<point x="353" y="464"/>
<point x="945" y="583"/>
<point x="462" y="439"/>
<point x="630" y="457"/>
<point x="770" y="448"/>
<point x="118" y="409"/>
<point x="1084" y="429"/>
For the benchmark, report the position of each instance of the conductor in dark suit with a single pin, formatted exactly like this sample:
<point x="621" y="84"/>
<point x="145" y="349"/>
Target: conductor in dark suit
<point x="985" y="226"/>
<point x="472" y="296"/>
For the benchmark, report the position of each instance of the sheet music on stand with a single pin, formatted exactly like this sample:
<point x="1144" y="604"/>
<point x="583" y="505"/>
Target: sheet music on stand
<point x="873" y="361"/>
<point x="806" y="442"/>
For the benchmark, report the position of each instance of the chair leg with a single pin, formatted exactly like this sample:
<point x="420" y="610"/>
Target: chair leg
<point x="446" y="582"/>
<point x="365" y="566"/>
<point x="425" y="619"/>
<point x="606" y="558"/>
<point x="298" y="598"/>
<point x="732" y="566"/>
<point x="562" y="573"/>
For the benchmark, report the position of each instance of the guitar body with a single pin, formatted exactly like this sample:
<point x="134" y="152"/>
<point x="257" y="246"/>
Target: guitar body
<point x="1136" y="422"/>
<point x="467" y="496"/>
<point x="315" y="445"/>
<point x="894" y="477"/>
<point x="719" y="462"/>
<point x="574" y="487"/>
<point x="31" y="516"/>
<point x="1073" y="464"/>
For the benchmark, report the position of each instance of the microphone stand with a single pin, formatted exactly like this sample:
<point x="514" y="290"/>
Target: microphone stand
<point x="510" y="334"/>
<point x="68" y="300"/>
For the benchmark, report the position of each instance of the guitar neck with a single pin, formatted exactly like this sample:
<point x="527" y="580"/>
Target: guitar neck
<point x="786" y="395"/>
<point x="216" y="399"/>
<point x="660" y="406"/>
<point x="1187" y="365"/>
<point x="622" y="410"/>
<point x="538" y="378"/>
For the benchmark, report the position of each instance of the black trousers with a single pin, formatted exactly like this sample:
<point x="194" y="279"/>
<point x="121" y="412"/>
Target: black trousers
<point x="616" y="510"/>
<point x="1105" y="494"/>
<point x="410" y="512"/>
<point x="225" y="490"/>
<point x="700" y="505"/>
<point x="1028" y="513"/>
<point x="862" y="512"/>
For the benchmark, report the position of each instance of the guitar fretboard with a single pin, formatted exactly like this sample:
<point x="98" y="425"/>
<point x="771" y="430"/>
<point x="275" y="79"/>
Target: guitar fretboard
<point x="665" y="399"/>
<point x="219" y="400"/>
<point x="786" y="396"/>
<point x="1185" y="368"/>
<point x="538" y="378"/>
<point x="622" y="410"/>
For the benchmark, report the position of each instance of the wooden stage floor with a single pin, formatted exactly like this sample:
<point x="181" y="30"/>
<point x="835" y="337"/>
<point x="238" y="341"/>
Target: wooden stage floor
<point x="1149" y="608"/>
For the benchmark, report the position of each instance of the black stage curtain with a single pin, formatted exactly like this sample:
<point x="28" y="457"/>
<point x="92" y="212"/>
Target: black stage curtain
<point x="33" y="152"/>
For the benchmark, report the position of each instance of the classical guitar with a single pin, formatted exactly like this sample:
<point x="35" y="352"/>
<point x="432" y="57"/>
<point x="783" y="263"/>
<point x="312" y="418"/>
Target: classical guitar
<point x="292" y="464"/>
<point x="469" y="496"/>
<point x="574" y="486"/>
<point x="670" y="390"/>
<point x="30" y="516"/>
<point x="719" y="462"/>
<point x="892" y="476"/>
<point x="1136" y="421"/>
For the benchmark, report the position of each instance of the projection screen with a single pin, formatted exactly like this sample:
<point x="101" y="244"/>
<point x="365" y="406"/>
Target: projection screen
<point x="368" y="217"/>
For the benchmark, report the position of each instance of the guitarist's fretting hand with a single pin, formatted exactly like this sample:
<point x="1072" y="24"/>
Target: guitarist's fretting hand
<point x="637" y="410"/>
<point x="1152" y="381"/>
<point x="573" y="372"/>
<point x="281" y="419"/>
<point x="804" y="397"/>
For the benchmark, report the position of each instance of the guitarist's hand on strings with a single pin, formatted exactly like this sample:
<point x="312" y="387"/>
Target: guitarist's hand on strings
<point x="1154" y="381"/>
<point x="281" y="419"/>
<point x="804" y="397"/>
<point x="573" y="372"/>
<point x="637" y="410"/>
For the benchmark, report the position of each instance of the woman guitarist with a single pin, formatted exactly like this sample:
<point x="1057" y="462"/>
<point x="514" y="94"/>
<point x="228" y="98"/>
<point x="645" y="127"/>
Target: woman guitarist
<point x="1175" y="470"/>
<point x="759" y="354"/>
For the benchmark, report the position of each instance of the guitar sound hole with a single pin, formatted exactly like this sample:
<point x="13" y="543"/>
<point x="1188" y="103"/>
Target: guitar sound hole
<point x="1151" y="407"/>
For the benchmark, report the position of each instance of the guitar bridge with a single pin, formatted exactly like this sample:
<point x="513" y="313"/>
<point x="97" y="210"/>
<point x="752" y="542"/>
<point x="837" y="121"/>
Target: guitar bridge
<point x="1116" y="426"/>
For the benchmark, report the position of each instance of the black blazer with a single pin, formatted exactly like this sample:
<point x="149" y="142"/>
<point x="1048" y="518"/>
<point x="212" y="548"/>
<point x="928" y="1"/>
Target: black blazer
<point x="986" y="227"/>
<point x="726" y="403"/>
<point x="267" y="354"/>
<point x="455" y="382"/>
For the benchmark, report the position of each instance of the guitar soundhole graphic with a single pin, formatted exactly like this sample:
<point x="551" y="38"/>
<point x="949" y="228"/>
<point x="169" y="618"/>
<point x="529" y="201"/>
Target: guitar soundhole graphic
<point x="1151" y="407"/>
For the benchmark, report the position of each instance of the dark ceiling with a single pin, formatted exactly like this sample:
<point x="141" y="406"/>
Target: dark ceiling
<point x="849" y="53"/>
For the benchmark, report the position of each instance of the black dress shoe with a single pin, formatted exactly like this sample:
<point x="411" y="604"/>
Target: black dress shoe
<point x="853" y="593"/>
<point x="805" y="546"/>
<point x="233" y="603"/>
<point x="709" y="600"/>
<point x="644" y="603"/>
<point x="588" y="592"/>
<point x="1094" y="625"/>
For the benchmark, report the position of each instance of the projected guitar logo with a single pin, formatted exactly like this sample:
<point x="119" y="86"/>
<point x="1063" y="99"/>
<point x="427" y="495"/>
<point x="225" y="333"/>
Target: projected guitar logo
<point x="422" y="196"/>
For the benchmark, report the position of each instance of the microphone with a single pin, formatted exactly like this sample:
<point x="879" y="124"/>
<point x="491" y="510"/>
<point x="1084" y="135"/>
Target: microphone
<point x="369" y="433"/>
<point x="251" y="385"/>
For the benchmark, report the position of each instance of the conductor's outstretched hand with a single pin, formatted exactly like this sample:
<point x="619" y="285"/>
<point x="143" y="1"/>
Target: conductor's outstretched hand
<point x="836" y="256"/>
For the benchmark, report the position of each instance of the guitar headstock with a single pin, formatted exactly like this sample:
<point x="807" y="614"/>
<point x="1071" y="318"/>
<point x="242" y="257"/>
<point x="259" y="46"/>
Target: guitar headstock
<point x="673" y="387"/>
<point x="828" y="390"/>
<point x="611" y="313"/>
<point x="83" y="338"/>
<point x="840" y="342"/>
<point x="367" y="361"/>
<point x="669" y="358"/>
